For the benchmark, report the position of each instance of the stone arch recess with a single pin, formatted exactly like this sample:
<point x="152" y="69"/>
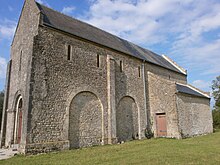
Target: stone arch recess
<point x="127" y="119"/>
<point x="18" y="119"/>
<point x="85" y="120"/>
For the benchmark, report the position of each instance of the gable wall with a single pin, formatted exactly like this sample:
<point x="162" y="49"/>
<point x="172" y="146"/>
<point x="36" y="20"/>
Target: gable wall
<point x="23" y="41"/>
<point x="194" y="115"/>
<point x="166" y="73"/>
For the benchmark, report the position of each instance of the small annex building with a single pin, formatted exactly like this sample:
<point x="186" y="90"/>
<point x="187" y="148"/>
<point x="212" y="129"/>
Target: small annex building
<point x="72" y="85"/>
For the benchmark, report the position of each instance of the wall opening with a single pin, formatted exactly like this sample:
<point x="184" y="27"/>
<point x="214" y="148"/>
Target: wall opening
<point x="121" y="66"/>
<point x="98" y="60"/>
<point x="161" y="124"/>
<point x="139" y="71"/>
<point x="18" y="121"/>
<point x="69" y="49"/>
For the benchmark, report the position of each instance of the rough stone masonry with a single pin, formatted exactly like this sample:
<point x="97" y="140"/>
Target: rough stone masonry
<point x="72" y="85"/>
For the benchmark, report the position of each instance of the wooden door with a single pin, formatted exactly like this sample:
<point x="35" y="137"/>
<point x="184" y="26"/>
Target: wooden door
<point x="19" y="126"/>
<point x="161" y="125"/>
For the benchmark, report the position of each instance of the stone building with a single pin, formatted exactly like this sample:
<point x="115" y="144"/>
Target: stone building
<point x="72" y="85"/>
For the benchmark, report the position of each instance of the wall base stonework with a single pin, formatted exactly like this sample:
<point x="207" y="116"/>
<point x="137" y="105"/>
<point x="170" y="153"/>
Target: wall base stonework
<point x="37" y="148"/>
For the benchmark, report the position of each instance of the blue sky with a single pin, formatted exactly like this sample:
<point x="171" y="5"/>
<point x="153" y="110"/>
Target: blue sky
<point x="187" y="31"/>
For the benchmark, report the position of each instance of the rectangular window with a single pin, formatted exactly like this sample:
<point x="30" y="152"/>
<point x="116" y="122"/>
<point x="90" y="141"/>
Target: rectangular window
<point x="121" y="66"/>
<point x="139" y="71"/>
<point x="69" y="50"/>
<point x="20" y="61"/>
<point x="98" y="60"/>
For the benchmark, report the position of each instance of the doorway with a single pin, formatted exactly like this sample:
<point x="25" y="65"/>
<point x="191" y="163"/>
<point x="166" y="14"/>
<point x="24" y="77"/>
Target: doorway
<point x="18" y="122"/>
<point x="161" y="125"/>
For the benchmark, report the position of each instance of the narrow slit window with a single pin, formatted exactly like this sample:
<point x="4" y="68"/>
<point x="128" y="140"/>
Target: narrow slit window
<point x="20" y="61"/>
<point x="69" y="52"/>
<point x="98" y="60"/>
<point x="121" y="66"/>
<point x="139" y="71"/>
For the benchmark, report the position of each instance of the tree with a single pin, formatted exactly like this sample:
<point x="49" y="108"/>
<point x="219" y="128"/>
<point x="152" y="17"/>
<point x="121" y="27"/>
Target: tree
<point x="216" y="91"/>
<point x="216" y="95"/>
<point x="1" y="105"/>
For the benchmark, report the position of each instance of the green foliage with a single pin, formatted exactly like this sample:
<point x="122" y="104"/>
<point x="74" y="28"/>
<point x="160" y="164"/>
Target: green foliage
<point x="1" y="104"/>
<point x="216" y="118"/>
<point x="148" y="133"/>
<point x="216" y="95"/>
<point x="216" y="91"/>
<point x="198" y="150"/>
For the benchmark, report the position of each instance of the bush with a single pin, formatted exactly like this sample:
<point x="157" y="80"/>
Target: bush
<point x="216" y="118"/>
<point x="149" y="134"/>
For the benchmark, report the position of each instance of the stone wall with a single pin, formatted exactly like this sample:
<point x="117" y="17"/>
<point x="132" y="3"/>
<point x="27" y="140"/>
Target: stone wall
<point x="57" y="80"/>
<point x="127" y="120"/>
<point x="166" y="73"/>
<point x="21" y="53"/>
<point x="162" y="99"/>
<point x="194" y="115"/>
<point x="85" y="121"/>
<point x="95" y="96"/>
<point x="37" y="148"/>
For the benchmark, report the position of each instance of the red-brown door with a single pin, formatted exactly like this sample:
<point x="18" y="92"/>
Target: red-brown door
<point x="19" y="127"/>
<point x="161" y="125"/>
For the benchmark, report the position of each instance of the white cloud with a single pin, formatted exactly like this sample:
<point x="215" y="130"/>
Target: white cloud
<point x="3" y="66"/>
<point x="201" y="84"/>
<point x="43" y="2"/>
<point x="7" y="29"/>
<point x="181" y="25"/>
<point x="68" y="10"/>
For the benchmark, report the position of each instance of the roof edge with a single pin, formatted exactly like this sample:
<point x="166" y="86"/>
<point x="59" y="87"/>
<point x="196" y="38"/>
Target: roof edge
<point x="205" y="94"/>
<point x="23" y="7"/>
<point x="63" y="31"/>
<point x="181" y="69"/>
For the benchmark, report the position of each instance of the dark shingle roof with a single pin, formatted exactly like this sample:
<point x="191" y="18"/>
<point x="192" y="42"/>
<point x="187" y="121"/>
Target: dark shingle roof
<point x="186" y="89"/>
<point x="83" y="30"/>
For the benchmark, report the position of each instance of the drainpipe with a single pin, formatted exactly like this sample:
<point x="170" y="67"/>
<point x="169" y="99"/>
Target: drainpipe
<point x="145" y="96"/>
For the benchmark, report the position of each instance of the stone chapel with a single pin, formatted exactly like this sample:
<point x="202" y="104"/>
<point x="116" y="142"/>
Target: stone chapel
<point x="71" y="85"/>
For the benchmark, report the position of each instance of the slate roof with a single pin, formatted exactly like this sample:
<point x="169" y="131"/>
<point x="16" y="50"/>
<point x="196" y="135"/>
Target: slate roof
<point x="83" y="30"/>
<point x="186" y="89"/>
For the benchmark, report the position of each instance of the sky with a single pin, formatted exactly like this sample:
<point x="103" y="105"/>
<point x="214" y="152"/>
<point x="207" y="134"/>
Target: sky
<point x="188" y="31"/>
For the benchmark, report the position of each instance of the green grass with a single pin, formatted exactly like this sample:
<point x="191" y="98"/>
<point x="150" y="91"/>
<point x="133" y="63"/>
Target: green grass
<point x="197" y="150"/>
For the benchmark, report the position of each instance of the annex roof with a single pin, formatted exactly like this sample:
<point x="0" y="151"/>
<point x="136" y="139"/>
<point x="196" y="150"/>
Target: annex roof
<point x="83" y="30"/>
<point x="183" y="88"/>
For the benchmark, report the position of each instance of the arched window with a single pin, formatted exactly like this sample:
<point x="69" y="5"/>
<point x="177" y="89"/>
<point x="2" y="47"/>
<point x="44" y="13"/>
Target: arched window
<point x="18" y="121"/>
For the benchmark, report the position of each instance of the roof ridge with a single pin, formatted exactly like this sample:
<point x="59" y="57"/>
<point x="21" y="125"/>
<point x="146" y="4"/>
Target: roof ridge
<point x="60" y="21"/>
<point x="113" y="35"/>
<point x="78" y="20"/>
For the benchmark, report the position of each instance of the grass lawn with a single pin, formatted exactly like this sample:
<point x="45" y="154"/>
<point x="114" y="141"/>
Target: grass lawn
<point x="197" y="150"/>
